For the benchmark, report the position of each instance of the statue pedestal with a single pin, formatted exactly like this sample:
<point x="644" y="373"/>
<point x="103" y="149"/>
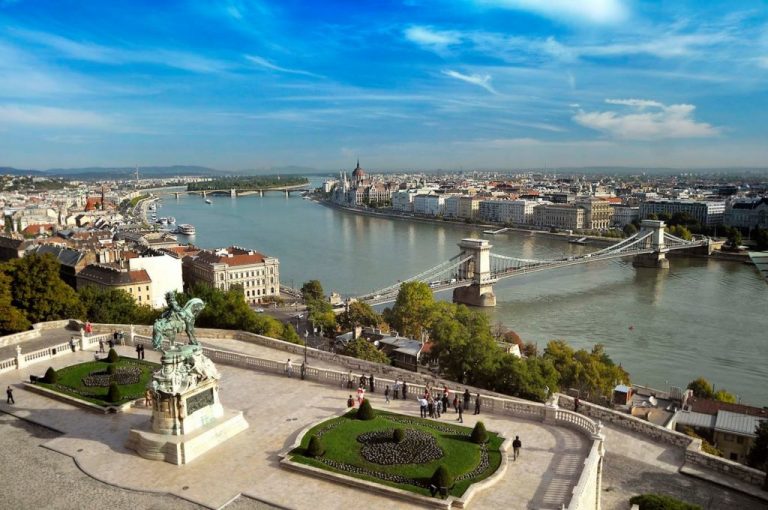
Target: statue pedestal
<point x="187" y="417"/>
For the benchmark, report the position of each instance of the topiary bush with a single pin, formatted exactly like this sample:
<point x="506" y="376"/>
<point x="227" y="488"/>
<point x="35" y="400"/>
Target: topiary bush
<point x="51" y="377"/>
<point x="111" y="369"/>
<point x="398" y="435"/>
<point x="661" y="502"/>
<point x="114" y="393"/>
<point x="479" y="434"/>
<point x="365" y="412"/>
<point x="112" y="357"/>
<point x="442" y="478"/>
<point x="315" y="447"/>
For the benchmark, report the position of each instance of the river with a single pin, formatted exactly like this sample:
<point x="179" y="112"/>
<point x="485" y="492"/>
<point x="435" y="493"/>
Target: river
<point x="700" y="318"/>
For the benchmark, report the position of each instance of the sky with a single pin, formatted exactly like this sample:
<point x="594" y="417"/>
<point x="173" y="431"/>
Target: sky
<point x="409" y="84"/>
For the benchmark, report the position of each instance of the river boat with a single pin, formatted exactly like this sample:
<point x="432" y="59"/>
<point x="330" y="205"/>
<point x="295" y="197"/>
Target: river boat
<point x="171" y="219"/>
<point x="582" y="240"/>
<point x="186" y="229"/>
<point x="163" y="221"/>
<point x="208" y="201"/>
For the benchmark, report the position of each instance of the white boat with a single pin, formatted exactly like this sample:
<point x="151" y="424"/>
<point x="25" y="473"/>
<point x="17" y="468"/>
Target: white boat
<point x="186" y="229"/>
<point x="171" y="219"/>
<point x="208" y="201"/>
<point x="163" y="221"/>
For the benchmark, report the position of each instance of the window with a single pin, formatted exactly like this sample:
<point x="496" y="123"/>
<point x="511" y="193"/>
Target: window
<point x="139" y="299"/>
<point x="147" y="288"/>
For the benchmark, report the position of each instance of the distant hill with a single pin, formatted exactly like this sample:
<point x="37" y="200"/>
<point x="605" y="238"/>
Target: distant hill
<point x="9" y="170"/>
<point x="101" y="172"/>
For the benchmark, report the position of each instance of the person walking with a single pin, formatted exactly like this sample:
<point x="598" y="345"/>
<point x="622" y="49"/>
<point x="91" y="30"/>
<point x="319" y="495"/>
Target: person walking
<point x="467" y="396"/>
<point x="9" y="393"/>
<point x="289" y="368"/>
<point x="456" y="405"/>
<point x="477" y="403"/>
<point x="138" y="351"/>
<point x="446" y="402"/>
<point x="396" y="389"/>
<point x="386" y="394"/>
<point x="363" y="381"/>
<point x="438" y="407"/>
<point x="371" y="381"/>
<point x="142" y="351"/>
<point x="423" y="407"/>
<point x="405" y="390"/>
<point x="72" y="345"/>
<point x="101" y="345"/>
<point x="516" y="445"/>
<point x="460" y="410"/>
<point x="576" y="404"/>
<point x="431" y="408"/>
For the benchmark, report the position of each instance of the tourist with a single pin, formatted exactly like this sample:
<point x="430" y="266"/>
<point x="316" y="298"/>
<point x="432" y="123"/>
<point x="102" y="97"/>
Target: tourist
<point x="115" y="336"/>
<point x="431" y="407"/>
<point x="477" y="404"/>
<point x="370" y="379"/>
<point x="110" y="343"/>
<point x="396" y="389"/>
<point x="446" y="402"/>
<point x="386" y="394"/>
<point x="423" y="407"/>
<point x="138" y="351"/>
<point x="576" y="404"/>
<point x="101" y="345"/>
<point x="289" y="368"/>
<point x="363" y="380"/>
<point x="467" y="396"/>
<point x="460" y="419"/>
<point x="142" y="351"/>
<point x="360" y="394"/>
<point x="438" y="407"/>
<point x="405" y="390"/>
<point x="72" y="345"/>
<point x="350" y="384"/>
<point x="516" y="445"/>
<point x="9" y="393"/>
<point x="456" y="405"/>
<point x="350" y="402"/>
<point x="88" y="328"/>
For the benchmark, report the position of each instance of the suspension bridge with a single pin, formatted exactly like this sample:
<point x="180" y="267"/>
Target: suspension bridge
<point x="473" y="271"/>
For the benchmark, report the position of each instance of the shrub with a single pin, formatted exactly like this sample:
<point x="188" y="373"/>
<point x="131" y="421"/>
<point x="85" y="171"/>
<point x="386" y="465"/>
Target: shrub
<point x="442" y="478"/>
<point x="479" y="434"/>
<point x="365" y="412"/>
<point x="112" y="357"/>
<point x="111" y="369"/>
<point x="114" y="393"/>
<point x="315" y="447"/>
<point x="398" y="435"/>
<point x="661" y="502"/>
<point x="51" y="377"/>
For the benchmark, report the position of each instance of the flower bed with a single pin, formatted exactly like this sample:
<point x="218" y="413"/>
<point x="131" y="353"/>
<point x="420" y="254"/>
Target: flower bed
<point x="367" y="450"/>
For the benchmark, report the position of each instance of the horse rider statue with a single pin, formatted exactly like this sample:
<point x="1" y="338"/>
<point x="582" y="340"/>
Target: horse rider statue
<point x="176" y="319"/>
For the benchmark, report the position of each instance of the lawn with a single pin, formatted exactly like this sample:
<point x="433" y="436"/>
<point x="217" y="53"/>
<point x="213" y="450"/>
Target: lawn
<point x="71" y="381"/>
<point x="346" y="451"/>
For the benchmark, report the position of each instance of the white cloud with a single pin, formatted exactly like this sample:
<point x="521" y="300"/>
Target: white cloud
<point x="483" y="80"/>
<point x="31" y="115"/>
<point x="648" y="120"/>
<point x="261" y="61"/>
<point x="579" y="11"/>
<point x="429" y="38"/>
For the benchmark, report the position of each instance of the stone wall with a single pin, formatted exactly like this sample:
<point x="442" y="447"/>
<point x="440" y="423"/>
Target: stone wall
<point x="694" y="455"/>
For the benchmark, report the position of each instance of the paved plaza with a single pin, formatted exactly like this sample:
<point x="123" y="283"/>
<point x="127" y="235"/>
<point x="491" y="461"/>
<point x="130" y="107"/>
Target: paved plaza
<point x="243" y="472"/>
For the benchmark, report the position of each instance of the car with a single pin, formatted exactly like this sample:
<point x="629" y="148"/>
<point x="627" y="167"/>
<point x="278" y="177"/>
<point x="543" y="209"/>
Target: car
<point x="258" y="310"/>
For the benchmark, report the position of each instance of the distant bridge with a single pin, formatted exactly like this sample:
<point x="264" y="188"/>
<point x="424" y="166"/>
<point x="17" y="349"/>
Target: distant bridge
<point x="234" y="192"/>
<point x="472" y="273"/>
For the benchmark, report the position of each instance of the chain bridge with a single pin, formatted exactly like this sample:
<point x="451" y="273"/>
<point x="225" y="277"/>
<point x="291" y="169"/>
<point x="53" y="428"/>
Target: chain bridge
<point x="473" y="271"/>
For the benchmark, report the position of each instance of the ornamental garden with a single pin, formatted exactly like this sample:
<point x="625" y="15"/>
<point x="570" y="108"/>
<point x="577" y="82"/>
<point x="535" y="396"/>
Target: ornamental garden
<point x="427" y="457"/>
<point x="111" y="381"/>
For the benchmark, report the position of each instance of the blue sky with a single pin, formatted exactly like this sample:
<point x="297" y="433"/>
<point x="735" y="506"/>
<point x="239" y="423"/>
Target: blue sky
<point x="408" y="84"/>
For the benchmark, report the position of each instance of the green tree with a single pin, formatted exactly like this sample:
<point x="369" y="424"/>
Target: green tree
<point x="312" y="291"/>
<point x="630" y="230"/>
<point x="758" y="454"/>
<point x="322" y="315"/>
<point x="39" y="292"/>
<point x="661" y="502"/>
<point x="724" y="396"/>
<point x="593" y="372"/>
<point x="410" y="315"/>
<point x="761" y="239"/>
<point x="363" y="349"/>
<point x="681" y="232"/>
<point x="701" y="388"/>
<point x="289" y="335"/>
<point x="11" y="318"/>
<point x="359" y="314"/>
<point x="115" y="306"/>
<point x="525" y="378"/>
<point x="735" y="239"/>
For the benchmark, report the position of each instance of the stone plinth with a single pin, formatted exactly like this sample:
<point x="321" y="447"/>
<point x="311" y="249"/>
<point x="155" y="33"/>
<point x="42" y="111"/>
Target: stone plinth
<point x="656" y="260"/>
<point x="475" y="295"/>
<point x="184" y="413"/>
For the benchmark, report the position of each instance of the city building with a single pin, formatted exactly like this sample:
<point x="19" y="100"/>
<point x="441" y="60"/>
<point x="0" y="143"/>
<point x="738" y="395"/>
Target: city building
<point x="747" y="214"/>
<point x="256" y="274"/>
<point x="707" y="213"/>
<point x="469" y="207"/>
<point x="164" y="271"/>
<point x="429" y="205"/>
<point x="623" y="215"/>
<point x="137" y="284"/>
<point x="565" y="216"/>
<point x="598" y="214"/>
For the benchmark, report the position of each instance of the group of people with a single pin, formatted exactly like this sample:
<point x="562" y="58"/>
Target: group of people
<point x="435" y="403"/>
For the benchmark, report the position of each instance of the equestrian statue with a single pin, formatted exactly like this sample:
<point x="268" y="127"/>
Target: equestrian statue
<point x="176" y="319"/>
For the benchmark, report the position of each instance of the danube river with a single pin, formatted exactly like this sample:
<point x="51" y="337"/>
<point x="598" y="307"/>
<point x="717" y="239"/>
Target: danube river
<point x="666" y="328"/>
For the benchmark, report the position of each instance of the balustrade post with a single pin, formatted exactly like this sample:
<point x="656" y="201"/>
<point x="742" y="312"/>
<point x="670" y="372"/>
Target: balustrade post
<point x="550" y="410"/>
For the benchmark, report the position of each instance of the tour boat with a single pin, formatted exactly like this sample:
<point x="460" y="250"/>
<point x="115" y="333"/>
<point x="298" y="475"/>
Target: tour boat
<point x="208" y="201"/>
<point x="186" y="229"/>
<point x="171" y="219"/>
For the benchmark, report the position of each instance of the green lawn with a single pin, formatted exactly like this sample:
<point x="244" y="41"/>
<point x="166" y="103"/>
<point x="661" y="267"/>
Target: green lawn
<point x="460" y="455"/>
<point x="70" y="381"/>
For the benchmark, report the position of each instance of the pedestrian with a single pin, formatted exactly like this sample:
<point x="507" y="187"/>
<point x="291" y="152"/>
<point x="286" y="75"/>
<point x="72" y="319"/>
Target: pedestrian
<point x="72" y="345"/>
<point x="431" y="408"/>
<point x="350" y="402"/>
<point x="516" y="445"/>
<point x="396" y="389"/>
<point x="446" y="402"/>
<point x="370" y="379"/>
<point x="386" y="394"/>
<point x="360" y="395"/>
<point x="461" y="414"/>
<point x="438" y="407"/>
<point x="114" y="336"/>
<point x="138" y="351"/>
<point x="142" y="351"/>
<point x="477" y="403"/>
<point x="467" y="396"/>
<point x="363" y="380"/>
<point x="456" y="405"/>
<point x="576" y="404"/>
<point x="9" y="392"/>
<point x="405" y="390"/>
<point x="350" y="384"/>
<point x="101" y="345"/>
<point x="110" y="343"/>
<point x="423" y="407"/>
<point x="289" y="368"/>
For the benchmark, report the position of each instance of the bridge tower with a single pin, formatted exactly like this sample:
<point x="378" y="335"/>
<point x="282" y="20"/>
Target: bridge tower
<point x="478" y="268"/>
<point x="657" y="259"/>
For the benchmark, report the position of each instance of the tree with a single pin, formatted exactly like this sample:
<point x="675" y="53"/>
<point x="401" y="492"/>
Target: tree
<point x="363" y="349"/>
<point x="680" y="231"/>
<point x="701" y="388"/>
<point x="51" y="376"/>
<point x="592" y="373"/>
<point x="630" y="229"/>
<point x="442" y="478"/>
<point x="289" y="335"/>
<point x="321" y="314"/>
<point x="312" y="291"/>
<point x="398" y="435"/>
<point x="359" y="314"/>
<point x="315" y="447"/>
<point x="11" y="318"/>
<point x="724" y="396"/>
<point x="479" y="434"/>
<point x="365" y="411"/>
<point x="39" y="292"/>
<point x="761" y="239"/>
<point x="410" y="315"/>
<point x="661" y="502"/>
<point x="735" y="238"/>
<point x="758" y="454"/>
<point x="115" y="306"/>
<point x="113" y="395"/>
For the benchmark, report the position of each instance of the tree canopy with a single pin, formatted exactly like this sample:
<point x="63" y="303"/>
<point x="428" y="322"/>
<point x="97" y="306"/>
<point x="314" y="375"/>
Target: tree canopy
<point x="12" y="319"/>
<point x="363" y="349"/>
<point x="115" y="306"/>
<point x="593" y="372"/>
<point x="701" y="388"/>
<point x="359" y="314"/>
<point x="410" y="315"/>
<point x="312" y="291"/>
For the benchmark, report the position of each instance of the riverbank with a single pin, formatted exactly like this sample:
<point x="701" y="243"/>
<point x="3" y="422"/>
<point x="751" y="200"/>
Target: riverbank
<point x="604" y="241"/>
